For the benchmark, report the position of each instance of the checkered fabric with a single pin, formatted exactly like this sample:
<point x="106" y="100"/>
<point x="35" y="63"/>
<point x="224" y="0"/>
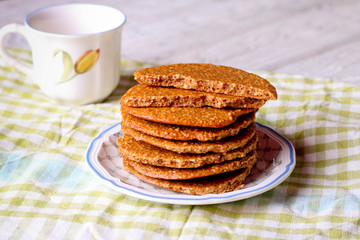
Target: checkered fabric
<point x="48" y="192"/>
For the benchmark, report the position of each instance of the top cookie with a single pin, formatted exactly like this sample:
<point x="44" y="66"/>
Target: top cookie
<point x="208" y="78"/>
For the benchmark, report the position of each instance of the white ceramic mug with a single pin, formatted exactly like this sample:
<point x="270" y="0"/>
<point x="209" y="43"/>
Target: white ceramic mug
<point x="76" y="51"/>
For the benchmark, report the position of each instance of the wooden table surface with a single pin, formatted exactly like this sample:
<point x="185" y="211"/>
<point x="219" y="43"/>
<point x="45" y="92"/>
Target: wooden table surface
<point x="314" y="38"/>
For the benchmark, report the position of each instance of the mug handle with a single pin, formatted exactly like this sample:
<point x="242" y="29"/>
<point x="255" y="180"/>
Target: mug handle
<point x="14" y="28"/>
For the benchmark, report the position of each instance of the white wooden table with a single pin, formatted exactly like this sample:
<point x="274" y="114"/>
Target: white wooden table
<point x="315" y="38"/>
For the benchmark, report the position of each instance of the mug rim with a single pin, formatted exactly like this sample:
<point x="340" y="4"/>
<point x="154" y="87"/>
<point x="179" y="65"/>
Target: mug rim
<point x="29" y="15"/>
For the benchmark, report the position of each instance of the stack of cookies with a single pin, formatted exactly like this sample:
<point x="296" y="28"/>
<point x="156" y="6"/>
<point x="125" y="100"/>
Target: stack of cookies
<point x="191" y="128"/>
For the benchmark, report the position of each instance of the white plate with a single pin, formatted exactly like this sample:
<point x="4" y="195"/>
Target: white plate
<point x="276" y="160"/>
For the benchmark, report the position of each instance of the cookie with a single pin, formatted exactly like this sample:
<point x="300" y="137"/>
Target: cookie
<point x="208" y="78"/>
<point x="221" y="146"/>
<point x="146" y="153"/>
<point x="185" y="133"/>
<point x="149" y="96"/>
<point x="188" y="116"/>
<point x="215" y="184"/>
<point x="190" y="173"/>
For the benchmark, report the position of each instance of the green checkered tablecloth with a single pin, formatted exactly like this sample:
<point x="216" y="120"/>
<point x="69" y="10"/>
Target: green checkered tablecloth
<point x="48" y="192"/>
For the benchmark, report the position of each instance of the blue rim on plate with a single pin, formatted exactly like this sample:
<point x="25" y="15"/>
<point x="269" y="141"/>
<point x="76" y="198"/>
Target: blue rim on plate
<point x="273" y="171"/>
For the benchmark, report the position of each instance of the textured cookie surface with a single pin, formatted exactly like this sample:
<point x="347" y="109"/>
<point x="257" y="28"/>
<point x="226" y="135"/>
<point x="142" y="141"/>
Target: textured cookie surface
<point x="188" y="116"/>
<point x="221" y="146"/>
<point x="143" y="95"/>
<point x="184" y="133"/>
<point x="146" y="153"/>
<point x="216" y="184"/>
<point x="190" y="173"/>
<point x="208" y="78"/>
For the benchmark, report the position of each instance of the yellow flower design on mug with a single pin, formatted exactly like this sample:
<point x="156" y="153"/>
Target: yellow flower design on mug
<point x="87" y="60"/>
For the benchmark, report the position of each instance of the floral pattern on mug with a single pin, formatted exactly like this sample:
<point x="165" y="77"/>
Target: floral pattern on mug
<point x="87" y="61"/>
<point x="82" y="65"/>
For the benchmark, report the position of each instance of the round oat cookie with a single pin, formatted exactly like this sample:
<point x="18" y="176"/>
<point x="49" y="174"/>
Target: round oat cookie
<point x="184" y="133"/>
<point x="190" y="173"/>
<point x="143" y="95"/>
<point x="188" y="116"/>
<point x="215" y="184"/>
<point x="221" y="146"/>
<point x="146" y="153"/>
<point x="208" y="78"/>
